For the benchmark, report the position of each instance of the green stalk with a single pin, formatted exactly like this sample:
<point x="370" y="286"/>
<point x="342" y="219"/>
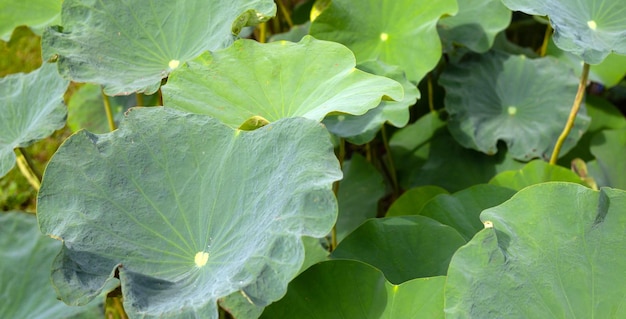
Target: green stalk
<point x="139" y="98"/>
<point x="431" y="103"/>
<point x="572" y="115"/>
<point x="27" y="168"/>
<point x="546" y="39"/>
<point x="107" y="110"/>
<point x="392" y="167"/>
<point x="263" y="32"/>
<point x="285" y="13"/>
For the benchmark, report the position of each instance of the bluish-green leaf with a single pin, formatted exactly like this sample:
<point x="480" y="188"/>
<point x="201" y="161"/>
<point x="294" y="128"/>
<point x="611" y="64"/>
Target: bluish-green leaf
<point x="129" y="46"/>
<point x="609" y="167"/>
<point x="187" y="210"/>
<point x="499" y="97"/>
<point x="31" y="108"/>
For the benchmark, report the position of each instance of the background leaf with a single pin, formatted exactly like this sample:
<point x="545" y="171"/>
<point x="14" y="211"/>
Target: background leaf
<point x="172" y="200"/>
<point x="346" y="289"/>
<point x="609" y="148"/>
<point x="276" y="80"/>
<point x="387" y="31"/>
<point x="413" y="200"/>
<point x="535" y="172"/>
<point x="32" y="108"/>
<point x="25" y="273"/>
<point x="33" y="13"/>
<point x="497" y="96"/>
<point x="130" y="46"/>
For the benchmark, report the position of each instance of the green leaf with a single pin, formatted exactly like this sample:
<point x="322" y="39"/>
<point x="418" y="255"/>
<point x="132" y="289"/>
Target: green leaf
<point x="129" y="46"/>
<point x="32" y="108"/>
<point x="187" y="210"/>
<point x="359" y="192"/>
<point x="276" y="80"/>
<point x="25" y="272"/>
<point x="475" y="25"/>
<point x="609" y="148"/>
<point x="384" y="243"/>
<point x="590" y="29"/>
<point x="413" y="200"/>
<point x="401" y="32"/>
<point x="461" y="210"/>
<point x="362" y="129"/>
<point x="535" y="172"/>
<point x="496" y="96"/>
<point x="555" y="251"/>
<point x="346" y="289"/>
<point x="610" y="72"/>
<point x="33" y="13"/>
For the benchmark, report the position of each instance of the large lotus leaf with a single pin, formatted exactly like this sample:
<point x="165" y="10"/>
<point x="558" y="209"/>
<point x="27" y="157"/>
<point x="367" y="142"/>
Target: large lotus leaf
<point x="276" y="80"/>
<point x="347" y="289"/>
<point x="555" y="250"/>
<point x="610" y="72"/>
<point x="535" y="172"/>
<point x="32" y="108"/>
<point x="413" y="200"/>
<point x="461" y="210"/>
<point x="359" y="192"/>
<point x="588" y="28"/>
<point x="362" y="129"/>
<point x="129" y="46"/>
<point x="33" y="13"/>
<point x="401" y="32"/>
<point x="384" y="243"/>
<point x="522" y="102"/>
<point x="186" y="209"/>
<point x="25" y="272"/>
<point x="475" y="25"/>
<point x="609" y="167"/>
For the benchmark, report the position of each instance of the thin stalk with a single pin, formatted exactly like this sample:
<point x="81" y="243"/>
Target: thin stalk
<point x="139" y="98"/>
<point x="285" y="13"/>
<point x="392" y="168"/>
<point x="431" y="103"/>
<point x="546" y="40"/>
<point x="572" y="115"/>
<point x="341" y="156"/>
<point x="27" y="168"/>
<point x="263" y="32"/>
<point x="107" y="110"/>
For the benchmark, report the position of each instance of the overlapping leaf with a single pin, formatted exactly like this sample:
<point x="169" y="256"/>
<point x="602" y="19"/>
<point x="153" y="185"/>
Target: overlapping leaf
<point x="129" y="46"/>
<point x="476" y="24"/>
<point x="555" y="251"/>
<point x="523" y="102"/>
<point x="346" y="289"/>
<point x="401" y="33"/>
<point x="276" y="80"/>
<point x="588" y="28"/>
<point x="535" y="172"/>
<point x="31" y="108"/>
<point x="34" y="13"/>
<point x="187" y="210"/>
<point x="25" y="272"/>
<point x="609" y="148"/>
<point x="363" y="128"/>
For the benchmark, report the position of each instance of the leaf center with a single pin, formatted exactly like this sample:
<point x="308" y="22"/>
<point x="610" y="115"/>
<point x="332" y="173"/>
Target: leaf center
<point x="201" y="258"/>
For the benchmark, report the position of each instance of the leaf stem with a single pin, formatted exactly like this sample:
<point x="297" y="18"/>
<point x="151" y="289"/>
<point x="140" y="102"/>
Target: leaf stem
<point x="263" y="32"/>
<point x="392" y="167"/>
<point x="431" y="103"/>
<point x="546" y="40"/>
<point x="139" y="98"/>
<point x="285" y="13"/>
<point x="107" y="110"/>
<point x="572" y="115"/>
<point x="25" y="164"/>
